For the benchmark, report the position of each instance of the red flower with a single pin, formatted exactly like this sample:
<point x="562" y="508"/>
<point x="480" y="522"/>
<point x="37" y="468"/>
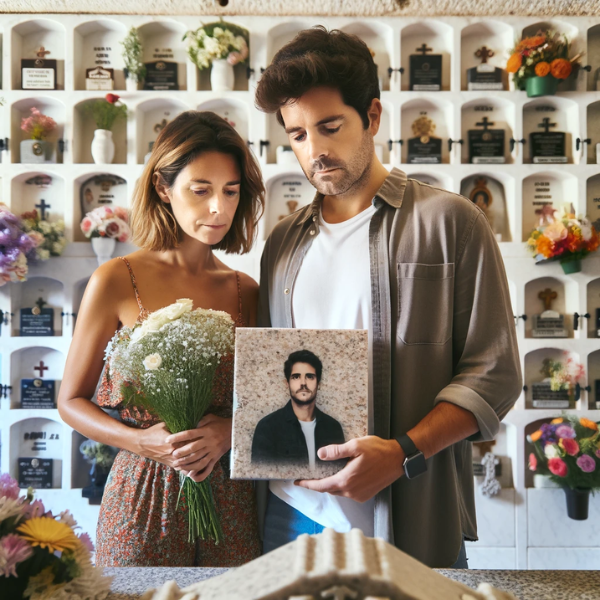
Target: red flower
<point x="570" y="446"/>
<point x="557" y="467"/>
<point x="112" y="98"/>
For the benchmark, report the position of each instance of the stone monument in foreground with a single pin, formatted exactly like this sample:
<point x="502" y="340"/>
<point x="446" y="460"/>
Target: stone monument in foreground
<point x="330" y="565"/>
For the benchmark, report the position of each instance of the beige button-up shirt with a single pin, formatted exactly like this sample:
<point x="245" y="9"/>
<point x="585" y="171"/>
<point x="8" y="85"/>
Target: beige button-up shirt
<point x="443" y="330"/>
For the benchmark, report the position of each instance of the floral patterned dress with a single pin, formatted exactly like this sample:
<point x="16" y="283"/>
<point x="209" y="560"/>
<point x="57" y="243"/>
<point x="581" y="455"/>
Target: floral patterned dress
<point x="139" y="524"/>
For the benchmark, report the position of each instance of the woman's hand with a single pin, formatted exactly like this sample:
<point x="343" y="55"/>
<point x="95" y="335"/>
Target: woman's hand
<point x="152" y="443"/>
<point x="199" y="449"/>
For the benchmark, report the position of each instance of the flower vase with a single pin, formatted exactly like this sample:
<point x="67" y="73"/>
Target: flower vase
<point x="221" y="76"/>
<point x="578" y="502"/>
<point x="104" y="248"/>
<point x="131" y="85"/>
<point x="103" y="147"/>
<point x="541" y="86"/>
<point x="36" y="152"/>
<point x="541" y="481"/>
<point x="571" y="266"/>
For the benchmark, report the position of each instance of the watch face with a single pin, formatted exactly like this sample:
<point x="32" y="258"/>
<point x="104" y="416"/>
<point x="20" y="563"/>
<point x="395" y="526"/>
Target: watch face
<point x="415" y="465"/>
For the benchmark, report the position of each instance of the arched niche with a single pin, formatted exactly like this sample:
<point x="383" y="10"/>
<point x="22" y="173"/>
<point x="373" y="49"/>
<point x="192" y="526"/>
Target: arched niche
<point x="235" y="112"/>
<point x="436" y="35"/>
<point x="494" y="193"/>
<point x="35" y="362"/>
<point x="21" y="109"/>
<point x="281" y="34"/>
<point x="40" y="438"/>
<point x="593" y="57"/>
<point x="496" y="36"/>
<point x="35" y="190"/>
<point x="593" y="308"/>
<point x="151" y="118"/>
<point x="487" y="114"/>
<point x="97" y="43"/>
<point x="593" y="369"/>
<point x="593" y="131"/>
<point x="28" y="37"/>
<point x="83" y="134"/>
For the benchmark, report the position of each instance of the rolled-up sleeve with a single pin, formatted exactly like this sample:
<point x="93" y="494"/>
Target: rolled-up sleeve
<point x="487" y="377"/>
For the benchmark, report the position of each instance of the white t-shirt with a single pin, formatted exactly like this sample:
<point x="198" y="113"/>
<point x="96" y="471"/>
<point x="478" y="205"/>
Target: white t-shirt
<point x="308" y="429"/>
<point x="333" y="291"/>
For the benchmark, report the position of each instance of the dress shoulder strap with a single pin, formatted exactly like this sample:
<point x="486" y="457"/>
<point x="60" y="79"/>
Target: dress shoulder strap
<point x="239" y="286"/>
<point x="133" y="283"/>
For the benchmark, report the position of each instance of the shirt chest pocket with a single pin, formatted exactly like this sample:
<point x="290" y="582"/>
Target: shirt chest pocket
<point x="425" y="302"/>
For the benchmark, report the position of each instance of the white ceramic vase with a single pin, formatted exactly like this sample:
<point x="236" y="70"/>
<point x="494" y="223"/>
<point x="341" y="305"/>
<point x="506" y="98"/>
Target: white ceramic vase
<point x="543" y="481"/>
<point x="131" y="85"/>
<point x="104" y="248"/>
<point x="103" y="147"/>
<point x="221" y="76"/>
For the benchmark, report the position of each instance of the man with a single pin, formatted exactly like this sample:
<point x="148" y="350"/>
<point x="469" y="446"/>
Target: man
<point x="420" y="268"/>
<point x="293" y="434"/>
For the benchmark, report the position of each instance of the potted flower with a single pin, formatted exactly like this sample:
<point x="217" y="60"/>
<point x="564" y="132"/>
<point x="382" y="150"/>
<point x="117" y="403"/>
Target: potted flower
<point x="17" y="247"/>
<point x="221" y="45"/>
<point x="53" y="241"/>
<point x="106" y="226"/>
<point x="105" y="112"/>
<point x="539" y="62"/>
<point x="134" y="70"/>
<point x="38" y="126"/>
<point x="566" y="239"/>
<point x="567" y="450"/>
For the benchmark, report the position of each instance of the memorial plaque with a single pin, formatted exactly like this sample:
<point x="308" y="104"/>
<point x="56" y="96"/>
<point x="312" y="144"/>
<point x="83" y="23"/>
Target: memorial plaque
<point x="485" y="76"/>
<point x="38" y="73"/>
<point x="35" y="473"/>
<point x="486" y="146"/>
<point x="549" y="324"/>
<point x="99" y="78"/>
<point x="544" y="397"/>
<point x="425" y="71"/>
<point x="98" y="191"/>
<point x="37" y="393"/>
<point x="547" y="146"/>
<point x="424" y="149"/>
<point x="161" y="75"/>
<point x="37" y="321"/>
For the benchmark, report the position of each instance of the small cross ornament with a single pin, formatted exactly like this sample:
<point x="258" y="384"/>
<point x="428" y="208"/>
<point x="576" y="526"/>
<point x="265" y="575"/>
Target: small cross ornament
<point x="39" y="305"/>
<point x="339" y="592"/>
<point x="547" y="296"/>
<point x="43" y="206"/>
<point x="41" y="368"/>
<point x="485" y="123"/>
<point x="484" y="53"/>
<point x="41" y="52"/>
<point x="424" y="49"/>
<point x="546" y="124"/>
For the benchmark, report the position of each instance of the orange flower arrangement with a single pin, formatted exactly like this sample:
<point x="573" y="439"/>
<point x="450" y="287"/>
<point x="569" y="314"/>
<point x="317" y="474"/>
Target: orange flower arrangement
<point x="514" y="63"/>
<point x="542" y="69"/>
<point x="560" y="68"/>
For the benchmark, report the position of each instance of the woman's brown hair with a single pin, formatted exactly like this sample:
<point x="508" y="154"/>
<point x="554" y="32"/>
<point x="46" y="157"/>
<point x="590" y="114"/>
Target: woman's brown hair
<point x="178" y="144"/>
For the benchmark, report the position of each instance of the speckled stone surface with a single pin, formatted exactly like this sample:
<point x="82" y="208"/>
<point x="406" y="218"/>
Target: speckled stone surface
<point x="261" y="388"/>
<point x="131" y="583"/>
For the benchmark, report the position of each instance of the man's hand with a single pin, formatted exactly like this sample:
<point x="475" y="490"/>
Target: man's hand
<point x="374" y="464"/>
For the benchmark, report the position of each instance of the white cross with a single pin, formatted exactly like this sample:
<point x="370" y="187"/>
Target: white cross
<point x="339" y="592"/>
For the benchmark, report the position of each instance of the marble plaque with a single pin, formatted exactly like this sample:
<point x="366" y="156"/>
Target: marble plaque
<point x="296" y="390"/>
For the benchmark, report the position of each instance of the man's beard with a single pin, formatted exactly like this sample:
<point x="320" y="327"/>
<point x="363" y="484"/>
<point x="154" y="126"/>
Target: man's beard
<point x="303" y="402"/>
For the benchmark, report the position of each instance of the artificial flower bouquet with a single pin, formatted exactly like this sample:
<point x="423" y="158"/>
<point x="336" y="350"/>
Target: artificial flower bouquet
<point x="563" y="376"/>
<point x="217" y="41"/>
<point x="38" y="126"/>
<point x="106" y="111"/>
<point x="107" y="222"/>
<point x="538" y="62"/>
<point x="52" y="241"/>
<point x="168" y="364"/>
<point x="41" y="556"/>
<point x="18" y="247"/>
<point x="568" y="451"/>
<point x="565" y="238"/>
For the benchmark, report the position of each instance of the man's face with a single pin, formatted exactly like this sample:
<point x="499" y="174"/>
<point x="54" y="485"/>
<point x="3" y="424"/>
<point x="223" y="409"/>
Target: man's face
<point x="303" y="384"/>
<point x="329" y="140"/>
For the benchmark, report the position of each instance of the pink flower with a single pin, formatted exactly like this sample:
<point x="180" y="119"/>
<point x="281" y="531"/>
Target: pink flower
<point x="9" y="488"/>
<point x="35" y="509"/>
<point x="586" y="463"/>
<point x="565" y="431"/>
<point x="86" y="225"/>
<point x="121" y="213"/>
<point x="85" y="539"/>
<point x="598" y="452"/>
<point x="234" y="58"/>
<point x="13" y="550"/>
<point x="557" y="466"/>
<point x="532" y="462"/>
<point x="112" y="229"/>
<point x="571" y="447"/>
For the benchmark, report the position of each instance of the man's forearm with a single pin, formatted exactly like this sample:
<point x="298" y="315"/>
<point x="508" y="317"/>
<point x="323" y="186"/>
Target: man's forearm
<point x="445" y="425"/>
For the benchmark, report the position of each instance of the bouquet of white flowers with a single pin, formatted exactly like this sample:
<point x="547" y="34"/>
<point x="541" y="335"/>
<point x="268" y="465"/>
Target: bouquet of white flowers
<point x="51" y="235"/>
<point x="168" y="364"/>
<point x="215" y="41"/>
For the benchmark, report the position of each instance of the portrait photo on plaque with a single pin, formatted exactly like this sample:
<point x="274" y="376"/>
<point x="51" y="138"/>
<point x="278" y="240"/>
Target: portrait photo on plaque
<point x="295" y="391"/>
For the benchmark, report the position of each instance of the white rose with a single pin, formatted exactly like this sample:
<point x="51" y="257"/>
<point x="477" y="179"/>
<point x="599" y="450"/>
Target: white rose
<point x="152" y="362"/>
<point x="551" y="451"/>
<point x="211" y="45"/>
<point x="217" y="31"/>
<point x="45" y="227"/>
<point x="174" y="311"/>
<point x="59" y="225"/>
<point x="43" y="254"/>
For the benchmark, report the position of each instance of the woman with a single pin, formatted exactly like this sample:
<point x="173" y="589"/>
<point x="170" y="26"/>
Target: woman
<point x="201" y="190"/>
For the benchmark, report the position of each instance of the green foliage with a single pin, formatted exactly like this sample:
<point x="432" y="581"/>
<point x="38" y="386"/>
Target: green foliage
<point x="132" y="55"/>
<point x="105" y="113"/>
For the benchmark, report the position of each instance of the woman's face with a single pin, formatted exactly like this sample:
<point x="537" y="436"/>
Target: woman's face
<point x="205" y="196"/>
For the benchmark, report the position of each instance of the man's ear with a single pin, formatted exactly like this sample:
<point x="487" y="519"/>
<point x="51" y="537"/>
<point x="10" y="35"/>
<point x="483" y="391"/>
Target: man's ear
<point x="374" y="113"/>
<point x="161" y="188"/>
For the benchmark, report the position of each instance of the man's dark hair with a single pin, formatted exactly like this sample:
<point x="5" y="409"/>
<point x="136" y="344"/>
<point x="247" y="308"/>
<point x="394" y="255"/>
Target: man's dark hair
<point x="317" y="57"/>
<point x="303" y="356"/>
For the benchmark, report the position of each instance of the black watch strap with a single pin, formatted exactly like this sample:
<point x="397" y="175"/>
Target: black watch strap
<point x="407" y="445"/>
<point x="414" y="460"/>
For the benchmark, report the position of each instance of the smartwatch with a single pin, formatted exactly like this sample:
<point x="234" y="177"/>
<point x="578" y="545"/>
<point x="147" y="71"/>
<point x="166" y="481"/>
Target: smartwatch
<point x="414" y="463"/>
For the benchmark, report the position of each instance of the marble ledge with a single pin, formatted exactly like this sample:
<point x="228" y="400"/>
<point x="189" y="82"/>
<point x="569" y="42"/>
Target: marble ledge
<point x="131" y="583"/>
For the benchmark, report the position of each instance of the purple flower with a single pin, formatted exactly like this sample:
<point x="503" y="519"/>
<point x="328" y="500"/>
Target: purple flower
<point x="13" y="550"/>
<point x="598" y="452"/>
<point x="85" y="539"/>
<point x="586" y="463"/>
<point x="9" y="488"/>
<point x="565" y="431"/>
<point x="548" y="434"/>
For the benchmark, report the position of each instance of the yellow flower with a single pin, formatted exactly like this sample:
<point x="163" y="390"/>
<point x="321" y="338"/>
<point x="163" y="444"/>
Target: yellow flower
<point x="589" y="424"/>
<point x="556" y="421"/>
<point x="48" y="533"/>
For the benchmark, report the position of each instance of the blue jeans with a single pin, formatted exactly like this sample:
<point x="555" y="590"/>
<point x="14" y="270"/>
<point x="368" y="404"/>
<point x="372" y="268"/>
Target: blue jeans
<point x="283" y="524"/>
